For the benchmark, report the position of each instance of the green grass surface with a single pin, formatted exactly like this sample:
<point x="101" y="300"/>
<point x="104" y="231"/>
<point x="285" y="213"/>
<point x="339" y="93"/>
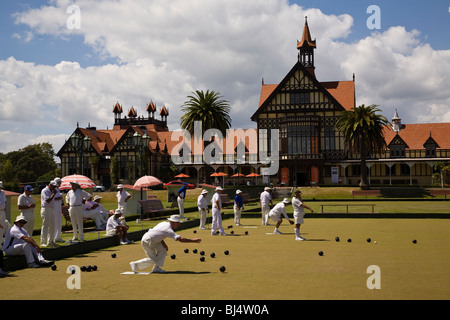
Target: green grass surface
<point x="266" y="266"/>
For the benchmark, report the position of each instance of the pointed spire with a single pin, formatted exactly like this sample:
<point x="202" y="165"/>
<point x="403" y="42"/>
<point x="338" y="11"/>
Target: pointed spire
<point x="132" y="113"/>
<point x="306" y="37"/>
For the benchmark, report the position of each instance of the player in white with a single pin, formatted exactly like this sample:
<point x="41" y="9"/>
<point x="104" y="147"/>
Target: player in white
<point x="266" y="202"/>
<point x="216" y="224"/>
<point x="74" y="200"/>
<point x="154" y="246"/>
<point x="275" y="214"/>
<point x="202" y="205"/>
<point x="299" y="213"/>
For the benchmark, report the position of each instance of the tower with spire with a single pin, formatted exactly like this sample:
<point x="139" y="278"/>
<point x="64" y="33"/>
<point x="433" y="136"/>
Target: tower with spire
<point x="306" y="49"/>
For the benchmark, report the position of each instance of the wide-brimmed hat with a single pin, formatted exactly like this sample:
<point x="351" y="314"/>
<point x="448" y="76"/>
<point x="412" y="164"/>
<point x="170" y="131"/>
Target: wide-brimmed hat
<point x="75" y="183"/>
<point x="118" y="211"/>
<point x="219" y="188"/>
<point x="174" y="218"/>
<point x="97" y="197"/>
<point x="286" y="200"/>
<point x="204" y="191"/>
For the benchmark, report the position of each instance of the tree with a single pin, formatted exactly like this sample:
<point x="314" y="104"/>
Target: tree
<point x="210" y="108"/>
<point x="362" y="129"/>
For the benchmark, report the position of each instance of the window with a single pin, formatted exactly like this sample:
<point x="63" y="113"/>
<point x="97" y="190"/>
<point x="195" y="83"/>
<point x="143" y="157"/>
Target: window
<point x="299" y="98"/>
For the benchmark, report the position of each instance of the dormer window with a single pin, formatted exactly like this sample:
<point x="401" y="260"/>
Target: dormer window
<point x="430" y="147"/>
<point x="398" y="147"/>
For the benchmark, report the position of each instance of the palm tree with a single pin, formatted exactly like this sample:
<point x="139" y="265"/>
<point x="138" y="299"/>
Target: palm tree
<point x="362" y="129"/>
<point x="208" y="107"/>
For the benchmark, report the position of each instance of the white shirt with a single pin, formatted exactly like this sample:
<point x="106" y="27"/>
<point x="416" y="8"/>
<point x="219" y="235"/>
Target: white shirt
<point x="46" y="194"/>
<point x="265" y="198"/>
<point x="122" y="196"/>
<point x="279" y="209"/>
<point x="25" y="201"/>
<point x="214" y="199"/>
<point x="75" y="199"/>
<point x="161" y="231"/>
<point x="297" y="204"/>
<point x="2" y="200"/>
<point x="201" y="202"/>
<point x="112" y="223"/>
<point x="13" y="236"/>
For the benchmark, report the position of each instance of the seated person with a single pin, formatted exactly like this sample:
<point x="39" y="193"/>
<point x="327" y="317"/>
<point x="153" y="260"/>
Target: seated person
<point x="18" y="242"/>
<point x="114" y="227"/>
<point x="105" y="213"/>
<point x="90" y="211"/>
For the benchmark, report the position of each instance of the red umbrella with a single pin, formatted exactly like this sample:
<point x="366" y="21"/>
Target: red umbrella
<point x="147" y="181"/>
<point x="237" y="175"/>
<point x="182" y="175"/>
<point x="252" y="175"/>
<point x="219" y="174"/>
<point x="83" y="181"/>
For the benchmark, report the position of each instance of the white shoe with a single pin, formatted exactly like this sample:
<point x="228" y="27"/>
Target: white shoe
<point x="133" y="267"/>
<point x="157" y="269"/>
<point x="277" y="232"/>
<point x="299" y="238"/>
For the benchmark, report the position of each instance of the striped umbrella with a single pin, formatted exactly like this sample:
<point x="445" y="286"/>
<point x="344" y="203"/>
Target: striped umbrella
<point x="83" y="181"/>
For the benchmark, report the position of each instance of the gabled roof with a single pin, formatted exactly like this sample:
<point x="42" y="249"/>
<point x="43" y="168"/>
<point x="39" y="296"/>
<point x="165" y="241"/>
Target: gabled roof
<point x="342" y="93"/>
<point x="416" y="135"/>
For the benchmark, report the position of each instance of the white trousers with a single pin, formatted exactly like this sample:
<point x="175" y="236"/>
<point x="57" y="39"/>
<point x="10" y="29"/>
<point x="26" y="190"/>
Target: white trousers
<point x="29" y="226"/>
<point x="216" y="221"/>
<point x="265" y="209"/>
<point x="180" y="202"/>
<point x="237" y="215"/>
<point x="57" y="210"/>
<point x="25" y="249"/>
<point x="96" y="216"/>
<point x="4" y="225"/>
<point x="76" y="217"/>
<point x="155" y="252"/>
<point x="48" y="226"/>
<point x="202" y="217"/>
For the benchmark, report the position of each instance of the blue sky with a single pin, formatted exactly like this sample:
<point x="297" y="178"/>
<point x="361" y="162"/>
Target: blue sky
<point x="134" y="51"/>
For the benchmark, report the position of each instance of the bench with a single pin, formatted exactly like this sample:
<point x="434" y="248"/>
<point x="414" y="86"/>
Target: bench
<point x="226" y="200"/>
<point x="246" y="198"/>
<point x="66" y="215"/>
<point x="152" y="206"/>
<point x="366" y="193"/>
<point x="347" y="205"/>
<point x="440" y="192"/>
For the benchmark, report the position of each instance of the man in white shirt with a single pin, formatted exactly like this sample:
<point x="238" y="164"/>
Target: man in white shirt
<point x="90" y="211"/>
<point x="202" y="205"/>
<point x="74" y="200"/>
<point x="26" y="206"/>
<point x="114" y="227"/>
<point x="18" y="242"/>
<point x="57" y="210"/>
<point x="277" y="211"/>
<point x="154" y="246"/>
<point x="299" y="213"/>
<point x="48" y="195"/>
<point x="216" y="225"/>
<point x="266" y="202"/>
<point x="104" y="213"/>
<point x="122" y="198"/>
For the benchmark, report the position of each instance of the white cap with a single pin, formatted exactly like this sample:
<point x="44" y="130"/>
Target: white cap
<point x="204" y="191"/>
<point x="120" y="186"/>
<point x="238" y="191"/>
<point x="20" y="218"/>
<point x="266" y="189"/>
<point x="174" y="218"/>
<point x="219" y="188"/>
<point x="58" y="180"/>
<point x="54" y="183"/>
<point x="118" y="211"/>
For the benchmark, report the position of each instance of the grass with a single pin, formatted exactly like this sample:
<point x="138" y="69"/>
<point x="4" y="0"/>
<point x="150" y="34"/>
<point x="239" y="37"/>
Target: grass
<point x="264" y="266"/>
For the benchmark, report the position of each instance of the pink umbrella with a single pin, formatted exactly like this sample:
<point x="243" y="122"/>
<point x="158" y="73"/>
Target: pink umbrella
<point x="147" y="181"/>
<point x="83" y="181"/>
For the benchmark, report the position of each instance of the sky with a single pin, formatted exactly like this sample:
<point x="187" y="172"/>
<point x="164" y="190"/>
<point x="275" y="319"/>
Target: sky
<point x="64" y="63"/>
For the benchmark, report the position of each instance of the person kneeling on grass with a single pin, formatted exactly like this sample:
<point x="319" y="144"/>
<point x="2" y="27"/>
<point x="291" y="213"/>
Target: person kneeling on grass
<point x="115" y="227"/>
<point x="154" y="246"/>
<point x="275" y="214"/>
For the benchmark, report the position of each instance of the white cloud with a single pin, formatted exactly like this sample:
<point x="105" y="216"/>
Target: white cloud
<point x="166" y="49"/>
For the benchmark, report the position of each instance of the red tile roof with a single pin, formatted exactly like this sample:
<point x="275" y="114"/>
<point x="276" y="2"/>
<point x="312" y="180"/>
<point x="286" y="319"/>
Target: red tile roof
<point x="415" y="135"/>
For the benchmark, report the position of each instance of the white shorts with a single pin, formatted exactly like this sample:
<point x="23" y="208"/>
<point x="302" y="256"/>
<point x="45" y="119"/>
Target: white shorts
<point x="274" y="217"/>
<point x="298" y="218"/>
